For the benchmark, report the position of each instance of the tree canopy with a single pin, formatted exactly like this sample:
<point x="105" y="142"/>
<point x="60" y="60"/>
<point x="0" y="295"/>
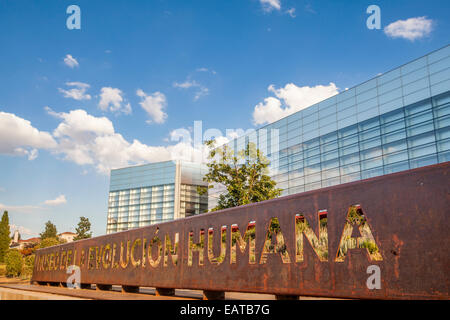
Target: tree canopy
<point x="5" y="239"/>
<point x="84" y="226"/>
<point x="244" y="176"/>
<point x="49" y="232"/>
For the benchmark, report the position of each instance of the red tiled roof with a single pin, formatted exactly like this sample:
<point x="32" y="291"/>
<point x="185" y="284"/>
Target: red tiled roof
<point x="30" y="240"/>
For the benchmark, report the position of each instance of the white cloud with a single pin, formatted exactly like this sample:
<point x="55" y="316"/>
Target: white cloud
<point x="78" y="92"/>
<point x="71" y="61"/>
<point x="294" y="98"/>
<point x="85" y="140"/>
<point x="411" y="29"/>
<point x="269" y="5"/>
<point x="111" y="99"/>
<point x="61" y="199"/>
<point x="201" y="91"/>
<point x="19" y="209"/>
<point x="187" y="84"/>
<point x="22" y="230"/>
<point x="18" y="137"/>
<point x="88" y="140"/>
<point x="291" y="12"/>
<point x="205" y="70"/>
<point x="154" y="105"/>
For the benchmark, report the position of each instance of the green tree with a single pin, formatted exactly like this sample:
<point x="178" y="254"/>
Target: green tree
<point x="28" y="266"/>
<point x="48" y="242"/>
<point x="14" y="263"/>
<point x="84" y="226"/>
<point x="5" y="239"/>
<point x="244" y="175"/>
<point x="50" y="231"/>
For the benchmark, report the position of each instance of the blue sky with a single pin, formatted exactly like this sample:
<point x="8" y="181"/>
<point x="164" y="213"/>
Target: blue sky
<point x="75" y="103"/>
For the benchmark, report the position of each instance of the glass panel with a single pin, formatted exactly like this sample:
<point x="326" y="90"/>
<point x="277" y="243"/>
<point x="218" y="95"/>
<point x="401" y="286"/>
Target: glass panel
<point x="388" y="138"/>
<point x="350" y="158"/>
<point x="366" y="174"/>
<point x="389" y="76"/>
<point x="352" y="168"/>
<point x="444" y="156"/>
<point x="396" y="167"/>
<point x="367" y="144"/>
<point x="422" y="150"/>
<point x="442" y="122"/>
<point x="330" y="173"/>
<point x="418" y="129"/>
<point x="371" y="163"/>
<point x="371" y="153"/>
<point x="414" y="76"/>
<point x="443" y="145"/>
<point x="349" y="150"/>
<point x="313" y="178"/>
<point x="394" y="146"/>
<point x="421" y="139"/>
<point x="423" y="161"/>
<point x="414" y="65"/>
<point x="330" y="155"/>
<point x="395" y="157"/>
<point x="418" y="107"/>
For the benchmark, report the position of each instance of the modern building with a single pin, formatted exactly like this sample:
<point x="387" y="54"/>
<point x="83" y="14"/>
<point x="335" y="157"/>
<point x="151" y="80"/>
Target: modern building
<point x="396" y="121"/>
<point x="153" y="193"/>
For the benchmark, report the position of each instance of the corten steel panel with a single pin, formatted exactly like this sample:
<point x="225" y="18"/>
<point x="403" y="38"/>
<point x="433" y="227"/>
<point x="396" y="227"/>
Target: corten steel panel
<point x="406" y="212"/>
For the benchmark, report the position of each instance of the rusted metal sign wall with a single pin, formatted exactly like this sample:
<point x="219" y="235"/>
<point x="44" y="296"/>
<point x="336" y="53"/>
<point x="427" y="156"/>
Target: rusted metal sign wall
<point x="335" y="242"/>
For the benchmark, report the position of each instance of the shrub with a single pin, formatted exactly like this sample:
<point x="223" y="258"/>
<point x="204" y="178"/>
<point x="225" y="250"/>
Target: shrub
<point x="14" y="263"/>
<point x="49" y="242"/>
<point x="2" y="269"/>
<point x="27" y="270"/>
<point x="27" y="251"/>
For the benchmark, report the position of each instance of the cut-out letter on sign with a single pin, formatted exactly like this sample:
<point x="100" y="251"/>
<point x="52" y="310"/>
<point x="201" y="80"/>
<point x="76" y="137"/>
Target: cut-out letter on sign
<point x="303" y="229"/>
<point x="274" y="232"/>
<point x="355" y="217"/>
<point x="237" y="241"/>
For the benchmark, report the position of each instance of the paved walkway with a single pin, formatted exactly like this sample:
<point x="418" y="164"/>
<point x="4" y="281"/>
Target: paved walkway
<point x="16" y="294"/>
<point x="22" y="291"/>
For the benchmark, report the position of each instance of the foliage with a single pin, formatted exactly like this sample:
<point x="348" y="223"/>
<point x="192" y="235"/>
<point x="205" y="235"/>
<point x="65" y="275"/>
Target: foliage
<point x="48" y="242"/>
<point x="84" y="226"/>
<point x="27" y="270"/>
<point x="2" y="270"/>
<point x="369" y="245"/>
<point x="50" y="231"/>
<point x="4" y="236"/>
<point x="14" y="263"/>
<point x="244" y="176"/>
<point x="27" y="251"/>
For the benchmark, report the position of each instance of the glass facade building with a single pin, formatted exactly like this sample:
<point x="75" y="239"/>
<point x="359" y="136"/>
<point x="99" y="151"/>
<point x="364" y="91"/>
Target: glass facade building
<point x="154" y="193"/>
<point x="397" y="121"/>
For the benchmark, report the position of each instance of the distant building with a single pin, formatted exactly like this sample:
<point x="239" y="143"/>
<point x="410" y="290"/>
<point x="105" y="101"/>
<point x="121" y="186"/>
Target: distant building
<point x="68" y="236"/>
<point x="156" y="192"/>
<point x="22" y="244"/>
